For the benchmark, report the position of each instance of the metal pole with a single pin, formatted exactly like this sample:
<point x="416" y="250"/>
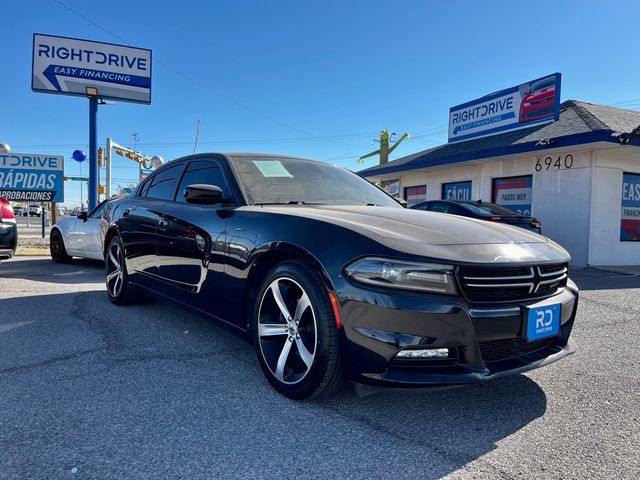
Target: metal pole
<point x="93" y="152"/>
<point x="81" y="193"/>
<point x="108" y="162"/>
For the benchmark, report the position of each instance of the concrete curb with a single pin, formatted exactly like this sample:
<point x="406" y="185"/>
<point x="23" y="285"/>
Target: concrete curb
<point x="20" y="251"/>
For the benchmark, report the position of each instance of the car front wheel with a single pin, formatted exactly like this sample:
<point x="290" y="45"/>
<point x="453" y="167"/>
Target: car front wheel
<point x="295" y="333"/>
<point x="56" y="248"/>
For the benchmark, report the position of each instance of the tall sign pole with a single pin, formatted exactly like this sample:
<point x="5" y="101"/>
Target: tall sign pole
<point x="93" y="152"/>
<point x="97" y="70"/>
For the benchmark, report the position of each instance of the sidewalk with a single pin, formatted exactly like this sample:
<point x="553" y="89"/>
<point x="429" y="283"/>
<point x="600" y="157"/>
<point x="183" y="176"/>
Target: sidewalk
<point x="630" y="270"/>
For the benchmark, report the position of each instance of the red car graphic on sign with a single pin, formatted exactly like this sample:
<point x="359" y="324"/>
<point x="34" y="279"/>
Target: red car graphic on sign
<point x="539" y="102"/>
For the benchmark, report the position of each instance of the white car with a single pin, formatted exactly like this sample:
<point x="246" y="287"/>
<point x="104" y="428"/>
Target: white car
<point x="80" y="236"/>
<point x="34" y="210"/>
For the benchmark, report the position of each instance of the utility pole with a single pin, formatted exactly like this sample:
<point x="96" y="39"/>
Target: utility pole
<point x="384" y="149"/>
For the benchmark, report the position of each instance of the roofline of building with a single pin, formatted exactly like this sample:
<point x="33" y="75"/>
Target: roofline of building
<point x="513" y="149"/>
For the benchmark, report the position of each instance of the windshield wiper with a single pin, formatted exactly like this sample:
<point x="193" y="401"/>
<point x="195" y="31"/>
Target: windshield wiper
<point x="373" y="205"/>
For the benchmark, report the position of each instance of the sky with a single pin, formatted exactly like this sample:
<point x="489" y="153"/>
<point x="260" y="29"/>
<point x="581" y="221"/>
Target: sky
<point x="313" y="79"/>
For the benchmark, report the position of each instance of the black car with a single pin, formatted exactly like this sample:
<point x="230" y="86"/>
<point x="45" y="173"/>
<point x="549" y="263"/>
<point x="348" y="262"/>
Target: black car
<point x="482" y="211"/>
<point x="8" y="230"/>
<point x="332" y="279"/>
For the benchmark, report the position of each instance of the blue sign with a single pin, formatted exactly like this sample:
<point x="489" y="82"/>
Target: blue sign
<point x="145" y="172"/>
<point x="531" y="103"/>
<point x="69" y="65"/>
<point x="630" y="215"/>
<point x="30" y="177"/>
<point x="456" y="191"/>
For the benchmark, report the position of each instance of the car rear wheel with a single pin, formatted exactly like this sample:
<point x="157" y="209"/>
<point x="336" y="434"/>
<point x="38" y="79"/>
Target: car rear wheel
<point x="119" y="289"/>
<point x="56" y="248"/>
<point x="295" y="333"/>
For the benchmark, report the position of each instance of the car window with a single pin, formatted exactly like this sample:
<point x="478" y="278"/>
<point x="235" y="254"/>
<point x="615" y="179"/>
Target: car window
<point x="205" y="172"/>
<point x="439" y="207"/>
<point x="163" y="184"/>
<point x="487" y="209"/>
<point x="97" y="212"/>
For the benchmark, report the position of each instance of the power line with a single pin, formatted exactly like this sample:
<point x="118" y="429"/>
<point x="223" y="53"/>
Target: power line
<point x="214" y="142"/>
<point x="200" y="84"/>
<point x="633" y="100"/>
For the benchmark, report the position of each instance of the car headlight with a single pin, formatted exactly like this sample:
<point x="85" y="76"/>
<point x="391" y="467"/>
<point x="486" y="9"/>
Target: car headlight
<point x="407" y="275"/>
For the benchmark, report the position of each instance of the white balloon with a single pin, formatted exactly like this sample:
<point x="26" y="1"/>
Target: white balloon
<point x="5" y="148"/>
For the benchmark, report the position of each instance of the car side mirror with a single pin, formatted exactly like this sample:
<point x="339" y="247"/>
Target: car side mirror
<point x="402" y="202"/>
<point x="83" y="216"/>
<point x="204" y="194"/>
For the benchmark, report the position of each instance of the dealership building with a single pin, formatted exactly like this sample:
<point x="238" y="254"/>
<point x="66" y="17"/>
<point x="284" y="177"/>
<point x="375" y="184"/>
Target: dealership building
<point x="578" y="172"/>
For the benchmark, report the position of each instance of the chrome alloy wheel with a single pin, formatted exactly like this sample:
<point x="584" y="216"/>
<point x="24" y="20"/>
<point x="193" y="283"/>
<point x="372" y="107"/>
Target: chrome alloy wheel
<point x="115" y="263"/>
<point x="287" y="330"/>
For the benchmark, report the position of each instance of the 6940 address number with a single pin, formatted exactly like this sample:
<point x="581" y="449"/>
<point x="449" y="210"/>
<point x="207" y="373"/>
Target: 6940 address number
<point x="554" y="163"/>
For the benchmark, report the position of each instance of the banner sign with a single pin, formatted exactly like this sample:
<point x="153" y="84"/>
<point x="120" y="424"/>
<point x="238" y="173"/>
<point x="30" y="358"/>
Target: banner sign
<point x="415" y="195"/>
<point x="531" y="103"/>
<point x="456" y="191"/>
<point x="31" y="177"/>
<point x="392" y="187"/>
<point x="630" y="218"/>
<point x="145" y="172"/>
<point x="68" y="66"/>
<point x="514" y="193"/>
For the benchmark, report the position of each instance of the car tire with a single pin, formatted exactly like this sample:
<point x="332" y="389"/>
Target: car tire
<point x="57" y="249"/>
<point x="119" y="290"/>
<point x="295" y="334"/>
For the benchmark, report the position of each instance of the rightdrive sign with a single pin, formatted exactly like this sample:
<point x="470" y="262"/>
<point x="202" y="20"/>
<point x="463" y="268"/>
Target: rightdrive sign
<point x="67" y="66"/>
<point x="525" y="105"/>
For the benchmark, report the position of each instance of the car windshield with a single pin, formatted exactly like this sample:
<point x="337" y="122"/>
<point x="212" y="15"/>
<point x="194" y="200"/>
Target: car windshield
<point x="488" y="209"/>
<point x="546" y="83"/>
<point x="277" y="180"/>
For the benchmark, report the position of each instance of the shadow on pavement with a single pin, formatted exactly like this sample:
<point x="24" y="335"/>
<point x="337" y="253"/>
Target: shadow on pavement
<point x="150" y="391"/>
<point x="44" y="269"/>
<point x="592" y="279"/>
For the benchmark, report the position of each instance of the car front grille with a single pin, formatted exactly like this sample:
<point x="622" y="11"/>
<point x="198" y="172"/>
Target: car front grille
<point x="482" y="284"/>
<point x="497" y="350"/>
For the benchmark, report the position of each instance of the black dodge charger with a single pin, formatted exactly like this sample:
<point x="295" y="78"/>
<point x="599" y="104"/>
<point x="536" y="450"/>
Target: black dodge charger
<point x="333" y="280"/>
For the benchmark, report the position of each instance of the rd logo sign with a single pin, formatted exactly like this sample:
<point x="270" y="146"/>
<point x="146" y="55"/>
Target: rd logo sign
<point x="69" y="65"/>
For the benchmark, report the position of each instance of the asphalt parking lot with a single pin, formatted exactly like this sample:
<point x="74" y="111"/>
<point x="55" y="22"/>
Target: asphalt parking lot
<point x="90" y="390"/>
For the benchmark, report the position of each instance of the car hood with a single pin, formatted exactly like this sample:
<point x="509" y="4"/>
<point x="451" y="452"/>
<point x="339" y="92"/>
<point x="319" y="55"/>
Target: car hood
<point x="432" y="234"/>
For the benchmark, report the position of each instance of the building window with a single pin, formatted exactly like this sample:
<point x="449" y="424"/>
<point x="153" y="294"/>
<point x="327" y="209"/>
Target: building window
<point x="513" y="193"/>
<point x="392" y="187"/>
<point x="456" y="191"/>
<point x="415" y="195"/>
<point x="630" y="215"/>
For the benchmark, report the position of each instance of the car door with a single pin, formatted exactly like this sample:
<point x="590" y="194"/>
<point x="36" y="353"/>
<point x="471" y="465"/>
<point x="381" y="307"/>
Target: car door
<point x="140" y="217"/>
<point x="191" y="238"/>
<point x="72" y="232"/>
<point x="92" y="233"/>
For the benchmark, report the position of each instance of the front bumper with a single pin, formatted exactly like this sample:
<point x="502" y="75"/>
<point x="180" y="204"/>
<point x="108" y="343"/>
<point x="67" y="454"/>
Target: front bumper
<point x="484" y="342"/>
